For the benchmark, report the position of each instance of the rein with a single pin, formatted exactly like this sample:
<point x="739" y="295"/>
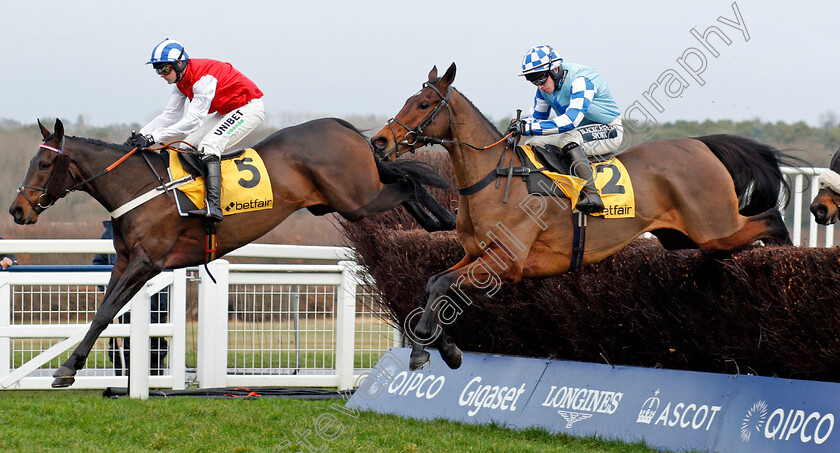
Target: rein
<point x="493" y="175"/>
<point x="51" y="192"/>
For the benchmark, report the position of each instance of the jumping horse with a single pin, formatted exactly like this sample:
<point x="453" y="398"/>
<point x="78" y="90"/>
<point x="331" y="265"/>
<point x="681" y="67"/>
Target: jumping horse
<point x="324" y="165"/>
<point x="826" y="205"/>
<point x="687" y="194"/>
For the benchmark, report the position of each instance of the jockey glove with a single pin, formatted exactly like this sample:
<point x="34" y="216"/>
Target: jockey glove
<point x="140" y="140"/>
<point x="517" y="127"/>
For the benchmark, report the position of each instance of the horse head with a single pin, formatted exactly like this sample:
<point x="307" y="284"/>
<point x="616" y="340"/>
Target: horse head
<point x="419" y="118"/>
<point x="46" y="181"/>
<point x="826" y="205"/>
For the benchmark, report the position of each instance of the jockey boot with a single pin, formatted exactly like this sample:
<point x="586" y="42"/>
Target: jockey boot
<point x="212" y="189"/>
<point x="588" y="200"/>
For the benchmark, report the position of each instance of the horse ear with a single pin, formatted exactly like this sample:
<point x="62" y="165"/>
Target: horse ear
<point x="433" y="73"/>
<point x="59" y="130"/>
<point x="449" y="76"/>
<point x="44" y="132"/>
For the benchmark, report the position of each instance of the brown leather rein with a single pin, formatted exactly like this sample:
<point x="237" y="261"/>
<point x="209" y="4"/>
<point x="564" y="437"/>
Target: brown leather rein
<point x="51" y="191"/>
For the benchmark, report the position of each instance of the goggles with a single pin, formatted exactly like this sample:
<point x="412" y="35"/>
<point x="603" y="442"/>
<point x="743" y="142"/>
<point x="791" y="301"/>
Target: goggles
<point x="164" y="70"/>
<point x="539" y="81"/>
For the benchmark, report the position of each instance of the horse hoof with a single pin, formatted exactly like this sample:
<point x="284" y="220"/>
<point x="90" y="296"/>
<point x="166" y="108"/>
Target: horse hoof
<point x="418" y="361"/>
<point x="64" y="377"/>
<point x="452" y="356"/>
<point x="63" y="382"/>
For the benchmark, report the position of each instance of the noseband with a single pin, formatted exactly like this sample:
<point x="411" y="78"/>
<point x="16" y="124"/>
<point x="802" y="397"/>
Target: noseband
<point x="831" y="195"/>
<point x="51" y="191"/>
<point x="415" y="136"/>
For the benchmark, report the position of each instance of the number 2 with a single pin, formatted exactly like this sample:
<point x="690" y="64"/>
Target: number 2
<point x="612" y="186"/>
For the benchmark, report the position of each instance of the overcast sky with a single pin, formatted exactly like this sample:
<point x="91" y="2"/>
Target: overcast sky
<point x="340" y="58"/>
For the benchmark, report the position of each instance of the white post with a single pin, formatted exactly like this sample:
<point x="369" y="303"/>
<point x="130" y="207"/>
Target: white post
<point x="138" y="373"/>
<point x="812" y="232"/>
<point x="797" y="210"/>
<point x="829" y="236"/>
<point x="398" y="338"/>
<point x="213" y="319"/>
<point x="783" y="199"/>
<point x="178" y="319"/>
<point x="345" y="325"/>
<point x="5" y="321"/>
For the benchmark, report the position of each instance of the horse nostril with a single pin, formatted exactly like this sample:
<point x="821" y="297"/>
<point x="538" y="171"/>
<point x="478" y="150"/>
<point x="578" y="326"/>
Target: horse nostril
<point x="17" y="213"/>
<point x="821" y="212"/>
<point x="379" y="142"/>
<point x="816" y="209"/>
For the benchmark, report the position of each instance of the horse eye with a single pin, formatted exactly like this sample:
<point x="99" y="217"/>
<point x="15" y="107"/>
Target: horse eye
<point x="423" y="105"/>
<point x="44" y="165"/>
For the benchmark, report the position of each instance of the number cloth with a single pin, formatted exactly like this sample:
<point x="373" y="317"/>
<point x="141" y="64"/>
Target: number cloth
<point x="611" y="179"/>
<point x="245" y="183"/>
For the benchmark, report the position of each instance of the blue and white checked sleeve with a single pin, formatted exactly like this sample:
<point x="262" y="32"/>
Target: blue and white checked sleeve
<point x="541" y="109"/>
<point x="582" y="93"/>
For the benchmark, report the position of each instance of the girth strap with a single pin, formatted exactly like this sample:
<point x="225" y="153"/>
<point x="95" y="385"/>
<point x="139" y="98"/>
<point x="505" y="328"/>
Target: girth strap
<point x="578" y="240"/>
<point x="210" y="246"/>
<point x="495" y="173"/>
<point x="210" y="241"/>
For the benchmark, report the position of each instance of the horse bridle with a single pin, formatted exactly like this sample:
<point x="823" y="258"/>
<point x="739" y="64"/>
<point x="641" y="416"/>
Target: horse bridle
<point x="829" y="184"/>
<point x="52" y="192"/>
<point x="415" y="135"/>
<point x="831" y="195"/>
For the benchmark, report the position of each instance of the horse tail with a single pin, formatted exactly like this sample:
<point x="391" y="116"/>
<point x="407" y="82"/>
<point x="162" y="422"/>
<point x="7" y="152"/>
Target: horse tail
<point x="412" y="171"/>
<point x="755" y="169"/>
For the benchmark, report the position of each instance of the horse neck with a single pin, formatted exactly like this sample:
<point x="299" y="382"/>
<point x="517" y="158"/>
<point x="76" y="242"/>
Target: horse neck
<point x="114" y="188"/>
<point x="469" y="125"/>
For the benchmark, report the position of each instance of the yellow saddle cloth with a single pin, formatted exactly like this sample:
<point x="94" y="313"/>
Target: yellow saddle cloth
<point x="611" y="179"/>
<point x="246" y="185"/>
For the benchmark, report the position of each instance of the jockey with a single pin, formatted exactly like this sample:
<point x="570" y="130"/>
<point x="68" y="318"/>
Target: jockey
<point x="588" y="121"/>
<point x="224" y="107"/>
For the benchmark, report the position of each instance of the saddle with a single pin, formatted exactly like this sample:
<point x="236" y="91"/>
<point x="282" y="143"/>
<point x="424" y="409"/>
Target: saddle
<point x="551" y="160"/>
<point x="246" y="183"/>
<point x="192" y="162"/>
<point x="547" y="174"/>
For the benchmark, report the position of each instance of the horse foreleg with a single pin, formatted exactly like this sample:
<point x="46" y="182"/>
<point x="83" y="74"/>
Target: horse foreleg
<point x="120" y="290"/>
<point x="430" y="330"/>
<point x="434" y="278"/>
<point x="470" y="272"/>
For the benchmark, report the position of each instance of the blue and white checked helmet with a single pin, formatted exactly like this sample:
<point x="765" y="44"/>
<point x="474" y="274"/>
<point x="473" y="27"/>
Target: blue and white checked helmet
<point x="539" y="59"/>
<point x="168" y="51"/>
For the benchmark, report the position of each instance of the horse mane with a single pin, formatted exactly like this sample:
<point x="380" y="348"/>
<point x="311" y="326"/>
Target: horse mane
<point x="97" y="142"/>
<point x="480" y="115"/>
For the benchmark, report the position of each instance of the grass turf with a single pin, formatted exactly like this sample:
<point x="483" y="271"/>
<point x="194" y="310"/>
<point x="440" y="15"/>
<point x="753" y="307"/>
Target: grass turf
<point x="81" y="420"/>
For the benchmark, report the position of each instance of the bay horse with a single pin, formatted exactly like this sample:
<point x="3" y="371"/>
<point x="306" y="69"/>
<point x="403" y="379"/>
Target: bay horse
<point x="324" y="165"/>
<point x="687" y="194"/>
<point x="826" y="204"/>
